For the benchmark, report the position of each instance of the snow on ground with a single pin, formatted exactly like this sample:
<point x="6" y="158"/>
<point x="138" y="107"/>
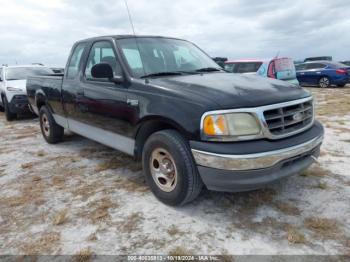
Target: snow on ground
<point x="79" y="197"/>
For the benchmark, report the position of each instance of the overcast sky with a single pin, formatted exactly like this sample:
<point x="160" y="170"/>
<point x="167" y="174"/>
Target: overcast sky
<point x="44" y="30"/>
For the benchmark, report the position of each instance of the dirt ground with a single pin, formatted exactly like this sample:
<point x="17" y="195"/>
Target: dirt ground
<point x="79" y="197"/>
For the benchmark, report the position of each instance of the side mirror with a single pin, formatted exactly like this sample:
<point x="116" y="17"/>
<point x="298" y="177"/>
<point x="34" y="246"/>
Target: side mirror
<point x="104" y="70"/>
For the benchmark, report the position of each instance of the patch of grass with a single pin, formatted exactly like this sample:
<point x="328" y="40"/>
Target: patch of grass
<point x="287" y="208"/>
<point x="41" y="153"/>
<point x="83" y="255"/>
<point x="173" y="230"/>
<point x="255" y="199"/>
<point x="36" y="179"/>
<point x="322" y="185"/>
<point x="295" y="237"/>
<point x="137" y="184"/>
<point x="132" y="222"/>
<point x="92" y="237"/>
<point x="27" y="166"/>
<point x="60" y="218"/>
<point x="180" y="251"/>
<point x="14" y="201"/>
<point x="316" y="171"/>
<point x="118" y="161"/>
<point x="101" y="207"/>
<point x="44" y="245"/>
<point x="324" y="227"/>
<point x="58" y="181"/>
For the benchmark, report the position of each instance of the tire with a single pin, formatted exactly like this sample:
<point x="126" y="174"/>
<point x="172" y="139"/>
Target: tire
<point x="342" y="85"/>
<point x="52" y="132"/>
<point x="8" y="114"/>
<point x="324" y="82"/>
<point x="171" y="147"/>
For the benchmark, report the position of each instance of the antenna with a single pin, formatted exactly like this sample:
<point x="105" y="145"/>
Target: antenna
<point x="130" y="19"/>
<point x="278" y="53"/>
<point x="136" y="41"/>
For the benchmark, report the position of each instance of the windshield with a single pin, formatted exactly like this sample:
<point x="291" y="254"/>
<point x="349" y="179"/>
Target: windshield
<point x="146" y="56"/>
<point x="21" y="73"/>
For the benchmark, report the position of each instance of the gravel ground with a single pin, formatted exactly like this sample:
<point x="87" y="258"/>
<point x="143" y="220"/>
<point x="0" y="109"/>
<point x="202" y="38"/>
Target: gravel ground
<point x="79" y="197"/>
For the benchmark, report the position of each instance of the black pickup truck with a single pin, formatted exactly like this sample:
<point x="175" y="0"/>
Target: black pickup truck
<point x="167" y="103"/>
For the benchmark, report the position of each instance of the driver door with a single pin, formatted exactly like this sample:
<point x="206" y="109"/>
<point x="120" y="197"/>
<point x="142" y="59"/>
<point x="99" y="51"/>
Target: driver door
<point x="102" y="104"/>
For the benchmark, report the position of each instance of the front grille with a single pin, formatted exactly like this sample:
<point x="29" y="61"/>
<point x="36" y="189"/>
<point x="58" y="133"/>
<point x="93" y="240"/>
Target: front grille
<point x="290" y="118"/>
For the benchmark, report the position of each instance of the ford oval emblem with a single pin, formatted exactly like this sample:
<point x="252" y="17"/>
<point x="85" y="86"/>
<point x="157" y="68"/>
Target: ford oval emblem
<point x="298" y="116"/>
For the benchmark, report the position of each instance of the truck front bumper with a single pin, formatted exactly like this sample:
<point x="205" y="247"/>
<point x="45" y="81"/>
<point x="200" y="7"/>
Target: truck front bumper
<point x="19" y="104"/>
<point x="261" y="162"/>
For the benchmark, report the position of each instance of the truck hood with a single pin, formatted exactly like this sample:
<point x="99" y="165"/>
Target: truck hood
<point x="21" y="84"/>
<point x="231" y="90"/>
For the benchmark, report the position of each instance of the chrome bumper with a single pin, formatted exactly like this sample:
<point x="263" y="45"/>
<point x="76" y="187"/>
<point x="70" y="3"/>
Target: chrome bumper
<point x="253" y="161"/>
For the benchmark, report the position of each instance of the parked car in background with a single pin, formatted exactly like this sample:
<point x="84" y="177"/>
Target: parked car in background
<point x="167" y="103"/>
<point x="220" y="61"/>
<point x="277" y="68"/>
<point x="323" y="73"/>
<point x="13" y="87"/>
<point x="347" y="62"/>
<point x="57" y="70"/>
<point x="318" y="58"/>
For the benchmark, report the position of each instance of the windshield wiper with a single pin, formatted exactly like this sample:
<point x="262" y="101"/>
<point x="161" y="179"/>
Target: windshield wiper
<point x="208" y="69"/>
<point x="162" y="74"/>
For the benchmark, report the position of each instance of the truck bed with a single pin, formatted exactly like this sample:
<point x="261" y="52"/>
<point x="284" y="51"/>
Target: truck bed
<point x="49" y="85"/>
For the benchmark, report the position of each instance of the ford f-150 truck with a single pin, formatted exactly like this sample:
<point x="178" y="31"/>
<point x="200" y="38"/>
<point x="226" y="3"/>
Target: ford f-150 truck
<point x="167" y="103"/>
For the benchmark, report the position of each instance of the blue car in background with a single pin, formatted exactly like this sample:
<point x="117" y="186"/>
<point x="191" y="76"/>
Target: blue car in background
<point x="323" y="73"/>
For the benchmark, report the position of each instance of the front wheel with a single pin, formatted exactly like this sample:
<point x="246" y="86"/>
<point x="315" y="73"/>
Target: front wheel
<point x="52" y="132"/>
<point x="8" y="114"/>
<point x="324" y="82"/>
<point x="169" y="168"/>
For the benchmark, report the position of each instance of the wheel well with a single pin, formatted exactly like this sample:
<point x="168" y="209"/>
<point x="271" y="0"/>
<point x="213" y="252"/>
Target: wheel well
<point x="40" y="101"/>
<point x="148" y="128"/>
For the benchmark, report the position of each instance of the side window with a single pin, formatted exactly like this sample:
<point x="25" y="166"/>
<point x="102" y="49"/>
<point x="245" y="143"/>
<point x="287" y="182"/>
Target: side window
<point x="248" y="67"/>
<point x="315" y="66"/>
<point x="102" y="52"/>
<point x="300" y="67"/>
<point x="74" y="63"/>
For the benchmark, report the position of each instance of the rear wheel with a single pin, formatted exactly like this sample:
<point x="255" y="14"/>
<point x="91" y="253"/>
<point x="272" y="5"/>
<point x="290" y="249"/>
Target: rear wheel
<point x="52" y="132"/>
<point x="169" y="168"/>
<point x="9" y="115"/>
<point x="324" y="82"/>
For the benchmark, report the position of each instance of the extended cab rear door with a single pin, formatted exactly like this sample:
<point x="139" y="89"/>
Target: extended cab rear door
<point x="71" y="86"/>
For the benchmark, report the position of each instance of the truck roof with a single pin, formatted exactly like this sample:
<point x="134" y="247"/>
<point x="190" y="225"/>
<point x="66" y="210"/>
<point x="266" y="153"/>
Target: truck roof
<point x="126" y="36"/>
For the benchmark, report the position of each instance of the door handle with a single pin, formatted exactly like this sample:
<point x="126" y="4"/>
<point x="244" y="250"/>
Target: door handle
<point x="80" y="92"/>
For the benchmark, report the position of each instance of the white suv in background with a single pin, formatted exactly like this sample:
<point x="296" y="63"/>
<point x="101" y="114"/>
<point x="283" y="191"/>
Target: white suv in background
<point x="13" y="87"/>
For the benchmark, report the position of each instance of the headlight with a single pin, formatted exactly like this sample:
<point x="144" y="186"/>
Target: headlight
<point x="230" y="125"/>
<point x="13" y="89"/>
